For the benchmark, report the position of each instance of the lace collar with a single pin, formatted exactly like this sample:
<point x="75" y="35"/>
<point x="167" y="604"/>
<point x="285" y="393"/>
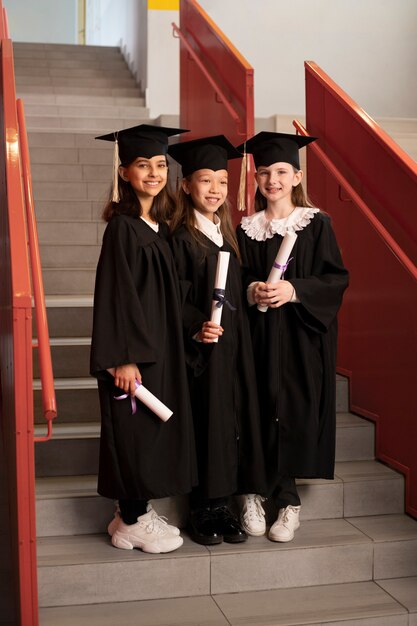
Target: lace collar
<point x="212" y="230"/>
<point x="257" y="227"/>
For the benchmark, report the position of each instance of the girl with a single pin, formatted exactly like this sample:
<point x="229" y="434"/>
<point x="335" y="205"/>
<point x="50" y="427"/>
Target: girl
<point x="295" y="340"/>
<point x="137" y="330"/>
<point x="221" y="375"/>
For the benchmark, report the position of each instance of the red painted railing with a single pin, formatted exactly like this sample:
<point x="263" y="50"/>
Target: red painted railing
<point x="378" y="334"/>
<point x="216" y="88"/>
<point x="377" y="168"/>
<point x="17" y="226"/>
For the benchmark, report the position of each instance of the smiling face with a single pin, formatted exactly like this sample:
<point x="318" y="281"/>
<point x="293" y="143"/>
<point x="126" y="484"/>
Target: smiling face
<point x="147" y="176"/>
<point x="208" y="190"/>
<point x="276" y="181"/>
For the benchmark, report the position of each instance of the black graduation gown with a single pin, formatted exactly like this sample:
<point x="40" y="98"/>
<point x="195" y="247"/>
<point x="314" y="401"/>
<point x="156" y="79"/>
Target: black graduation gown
<point x="138" y="319"/>
<point x="295" y="352"/>
<point x="221" y="376"/>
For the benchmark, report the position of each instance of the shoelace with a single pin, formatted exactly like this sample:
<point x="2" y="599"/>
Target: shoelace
<point x="157" y="524"/>
<point x="286" y="515"/>
<point x="254" y="508"/>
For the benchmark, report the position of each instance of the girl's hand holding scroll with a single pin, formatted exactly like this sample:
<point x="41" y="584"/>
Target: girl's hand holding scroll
<point x="125" y="377"/>
<point x="210" y="331"/>
<point x="273" y="295"/>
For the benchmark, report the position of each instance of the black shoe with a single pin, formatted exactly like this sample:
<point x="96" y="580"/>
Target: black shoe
<point x="228" y="526"/>
<point x="203" y="527"/>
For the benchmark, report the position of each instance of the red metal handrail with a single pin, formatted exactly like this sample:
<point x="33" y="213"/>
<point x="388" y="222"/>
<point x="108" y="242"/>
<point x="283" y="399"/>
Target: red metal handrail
<point x="233" y="113"/>
<point x="16" y="351"/>
<point x="216" y="90"/>
<point x="403" y="159"/>
<point x="44" y="351"/>
<point x="405" y="261"/>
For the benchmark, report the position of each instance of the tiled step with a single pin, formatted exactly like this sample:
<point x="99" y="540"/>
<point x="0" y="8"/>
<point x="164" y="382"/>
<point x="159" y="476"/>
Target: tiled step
<point x="77" y="400"/>
<point x="73" y="449"/>
<point x="323" y="552"/>
<point x="55" y="155"/>
<point x="31" y="49"/>
<point x="84" y="390"/>
<point x="35" y="88"/>
<point x="69" y="281"/>
<point x="75" y="81"/>
<point x="62" y="500"/>
<point x="53" y="190"/>
<point x="67" y="99"/>
<point x="69" y="233"/>
<point x="80" y="110"/>
<point x="70" y="357"/>
<point x="69" y="316"/>
<point x="110" y="71"/>
<point x="69" y="255"/>
<point x="68" y="172"/>
<point x="346" y="604"/>
<point x="22" y="64"/>
<point x="89" y="123"/>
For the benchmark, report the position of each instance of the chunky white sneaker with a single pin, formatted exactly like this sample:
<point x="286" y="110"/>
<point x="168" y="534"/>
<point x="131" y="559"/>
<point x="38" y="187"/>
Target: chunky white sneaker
<point x="252" y="516"/>
<point x="287" y="523"/>
<point x="116" y="519"/>
<point x="150" y="534"/>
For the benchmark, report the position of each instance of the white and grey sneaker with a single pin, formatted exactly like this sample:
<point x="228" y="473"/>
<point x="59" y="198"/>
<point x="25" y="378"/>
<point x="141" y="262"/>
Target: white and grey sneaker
<point x="252" y="516"/>
<point x="287" y="523"/>
<point x="150" y="534"/>
<point x="116" y="519"/>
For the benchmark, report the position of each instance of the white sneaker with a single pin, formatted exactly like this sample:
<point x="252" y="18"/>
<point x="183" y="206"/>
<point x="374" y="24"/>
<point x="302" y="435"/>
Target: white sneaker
<point x="287" y="523"/>
<point x="116" y="519"/>
<point x="252" y="516"/>
<point x="150" y="534"/>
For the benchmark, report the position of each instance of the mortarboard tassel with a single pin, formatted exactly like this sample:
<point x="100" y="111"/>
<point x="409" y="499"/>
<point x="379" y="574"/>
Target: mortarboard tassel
<point x="115" y="193"/>
<point x="241" y="194"/>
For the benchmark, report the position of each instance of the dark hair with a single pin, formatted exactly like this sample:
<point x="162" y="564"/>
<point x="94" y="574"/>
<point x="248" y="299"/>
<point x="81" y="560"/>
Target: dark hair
<point x="184" y="216"/>
<point x="298" y="197"/>
<point x="162" y="208"/>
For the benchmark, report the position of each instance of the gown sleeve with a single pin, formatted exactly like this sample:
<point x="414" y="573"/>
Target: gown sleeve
<point x="186" y="263"/>
<point x="120" y="334"/>
<point x="320" y="293"/>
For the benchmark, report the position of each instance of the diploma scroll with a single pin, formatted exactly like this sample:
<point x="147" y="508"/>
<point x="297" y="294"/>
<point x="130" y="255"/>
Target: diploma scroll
<point x="219" y="287"/>
<point x="281" y="262"/>
<point x="152" y="402"/>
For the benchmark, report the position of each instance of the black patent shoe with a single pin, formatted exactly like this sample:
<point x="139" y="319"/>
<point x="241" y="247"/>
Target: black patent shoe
<point x="203" y="527"/>
<point x="228" y="526"/>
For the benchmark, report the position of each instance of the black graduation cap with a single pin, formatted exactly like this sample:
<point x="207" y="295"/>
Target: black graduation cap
<point x="144" y="140"/>
<point x="210" y="153"/>
<point x="268" y="148"/>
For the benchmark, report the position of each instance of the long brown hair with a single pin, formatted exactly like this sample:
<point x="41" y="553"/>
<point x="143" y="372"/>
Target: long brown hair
<point x="298" y="197"/>
<point x="162" y="209"/>
<point x="184" y="216"/>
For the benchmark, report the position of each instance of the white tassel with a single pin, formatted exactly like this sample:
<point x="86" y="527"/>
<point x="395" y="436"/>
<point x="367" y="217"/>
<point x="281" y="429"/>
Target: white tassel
<point x="115" y="194"/>
<point x="241" y="194"/>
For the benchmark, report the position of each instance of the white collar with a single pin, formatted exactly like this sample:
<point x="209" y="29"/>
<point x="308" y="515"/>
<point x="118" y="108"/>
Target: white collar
<point x="257" y="227"/>
<point x="210" y="229"/>
<point x="154" y="227"/>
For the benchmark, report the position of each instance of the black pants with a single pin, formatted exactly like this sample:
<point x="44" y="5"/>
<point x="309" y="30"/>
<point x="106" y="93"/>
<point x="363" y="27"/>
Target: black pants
<point x="198" y="501"/>
<point x="285" y="492"/>
<point x="130" y="510"/>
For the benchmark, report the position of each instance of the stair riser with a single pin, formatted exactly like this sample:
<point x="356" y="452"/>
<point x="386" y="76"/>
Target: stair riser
<point x="90" y="100"/>
<point x="68" y="321"/>
<point x="71" y="173"/>
<point x="57" y="81"/>
<point x="72" y="156"/>
<point x="65" y="457"/>
<point x="320" y="501"/>
<point x="69" y="282"/>
<point x="71" y="191"/>
<point x="67" y="361"/>
<point x="110" y="71"/>
<point x="80" y="110"/>
<point x="74" y="405"/>
<point x="55" y="256"/>
<point x="74" y="90"/>
<point x="71" y="233"/>
<point x="88" y="123"/>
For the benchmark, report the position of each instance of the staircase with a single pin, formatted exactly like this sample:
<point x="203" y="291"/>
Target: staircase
<point x="354" y="559"/>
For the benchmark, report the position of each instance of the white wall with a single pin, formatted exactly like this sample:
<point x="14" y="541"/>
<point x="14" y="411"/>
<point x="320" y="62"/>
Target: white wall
<point x="163" y="63"/>
<point x="369" y="47"/>
<point x="45" y="21"/>
<point x="120" y="23"/>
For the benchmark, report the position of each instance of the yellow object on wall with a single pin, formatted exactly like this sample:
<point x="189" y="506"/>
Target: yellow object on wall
<point x="164" y="5"/>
